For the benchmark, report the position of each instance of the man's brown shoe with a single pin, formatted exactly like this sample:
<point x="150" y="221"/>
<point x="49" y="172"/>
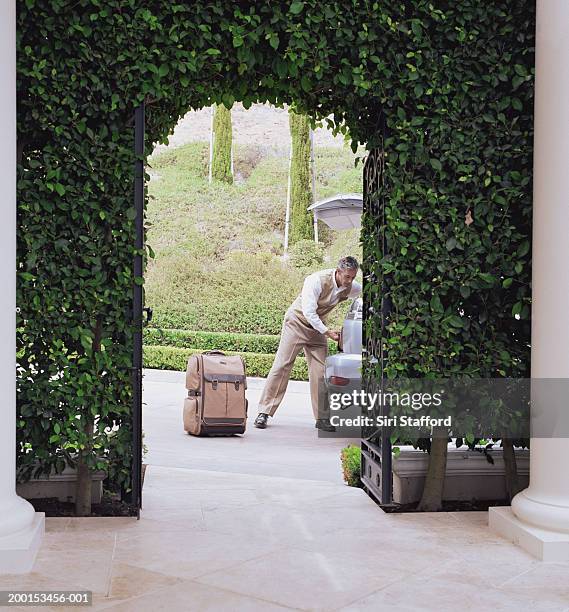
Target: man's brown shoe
<point x="261" y="420"/>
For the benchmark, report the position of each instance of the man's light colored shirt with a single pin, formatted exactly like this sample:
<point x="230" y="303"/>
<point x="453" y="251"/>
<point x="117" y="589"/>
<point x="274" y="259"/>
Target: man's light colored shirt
<point x="311" y="291"/>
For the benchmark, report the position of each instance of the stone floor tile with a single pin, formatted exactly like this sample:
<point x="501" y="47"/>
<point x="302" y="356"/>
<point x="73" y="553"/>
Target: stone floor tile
<point x="99" y="523"/>
<point x="422" y="594"/>
<point x="160" y="525"/>
<point x="490" y="571"/>
<point x="90" y="570"/>
<point x="56" y="524"/>
<point x="66" y="542"/>
<point x="188" y="554"/>
<point x="190" y="596"/>
<point x="403" y="551"/>
<point x="305" y="580"/>
<point x="471" y="518"/>
<point x="38" y="581"/>
<point x="280" y="524"/>
<point x="545" y="581"/>
<point x="176" y="513"/>
<point x="132" y="581"/>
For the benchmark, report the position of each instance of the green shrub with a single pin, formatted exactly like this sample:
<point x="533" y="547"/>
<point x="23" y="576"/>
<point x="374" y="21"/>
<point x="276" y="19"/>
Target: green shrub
<point x="244" y="292"/>
<point x="257" y="364"/>
<point x="351" y="457"/>
<point x="306" y="253"/>
<point x="205" y="341"/>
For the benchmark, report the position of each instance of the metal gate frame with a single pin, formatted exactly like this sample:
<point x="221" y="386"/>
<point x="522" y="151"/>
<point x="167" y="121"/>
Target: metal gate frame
<point x="376" y="460"/>
<point x="138" y="311"/>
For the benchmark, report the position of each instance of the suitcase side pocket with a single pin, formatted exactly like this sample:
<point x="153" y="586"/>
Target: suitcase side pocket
<point x="192" y="420"/>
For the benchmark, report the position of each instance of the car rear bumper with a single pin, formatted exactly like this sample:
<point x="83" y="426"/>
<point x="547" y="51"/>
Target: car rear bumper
<point x="343" y="367"/>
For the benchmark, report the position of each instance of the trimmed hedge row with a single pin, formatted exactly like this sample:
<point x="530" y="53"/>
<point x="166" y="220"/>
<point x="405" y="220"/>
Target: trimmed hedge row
<point x="223" y="341"/>
<point x="258" y="364"/>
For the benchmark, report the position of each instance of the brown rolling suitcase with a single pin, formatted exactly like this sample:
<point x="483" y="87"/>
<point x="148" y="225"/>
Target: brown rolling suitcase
<point x="216" y="402"/>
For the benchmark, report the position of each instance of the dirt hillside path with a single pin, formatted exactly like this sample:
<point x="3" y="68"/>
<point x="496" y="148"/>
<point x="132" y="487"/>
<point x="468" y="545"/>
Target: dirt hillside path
<point x="262" y="125"/>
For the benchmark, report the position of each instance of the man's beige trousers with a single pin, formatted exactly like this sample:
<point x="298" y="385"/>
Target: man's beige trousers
<point x="295" y="337"/>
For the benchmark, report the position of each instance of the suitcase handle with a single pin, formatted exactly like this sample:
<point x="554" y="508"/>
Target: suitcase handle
<point x="214" y="352"/>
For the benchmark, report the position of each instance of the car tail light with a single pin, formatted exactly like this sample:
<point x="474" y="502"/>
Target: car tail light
<point x="339" y="380"/>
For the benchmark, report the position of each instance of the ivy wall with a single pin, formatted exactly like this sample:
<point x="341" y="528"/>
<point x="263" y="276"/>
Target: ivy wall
<point x="450" y="82"/>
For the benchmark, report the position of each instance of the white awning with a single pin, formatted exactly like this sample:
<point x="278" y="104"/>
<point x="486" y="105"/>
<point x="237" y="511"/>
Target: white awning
<point x="339" y="212"/>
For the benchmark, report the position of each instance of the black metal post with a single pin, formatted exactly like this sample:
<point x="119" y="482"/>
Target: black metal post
<point x="377" y="466"/>
<point x="386" y="306"/>
<point x="136" y="499"/>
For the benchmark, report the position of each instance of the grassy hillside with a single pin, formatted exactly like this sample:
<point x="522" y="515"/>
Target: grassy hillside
<point x="218" y="247"/>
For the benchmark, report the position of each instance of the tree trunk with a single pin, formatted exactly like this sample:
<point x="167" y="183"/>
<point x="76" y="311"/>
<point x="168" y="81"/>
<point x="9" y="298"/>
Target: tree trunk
<point x="510" y="468"/>
<point x="301" y="224"/>
<point x="432" y="498"/>
<point x="84" y="483"/>
<point x="221" y="166"/>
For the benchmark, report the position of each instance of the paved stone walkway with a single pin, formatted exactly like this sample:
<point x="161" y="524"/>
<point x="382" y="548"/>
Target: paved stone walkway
<point x="221" y="530"/>
<point x="289" y="446"/>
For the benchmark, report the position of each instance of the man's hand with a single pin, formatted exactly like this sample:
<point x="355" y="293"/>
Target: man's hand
<point x="333" y="335"/>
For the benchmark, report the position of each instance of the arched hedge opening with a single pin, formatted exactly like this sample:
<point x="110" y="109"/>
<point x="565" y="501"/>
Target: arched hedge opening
<point x="442" y="89"/>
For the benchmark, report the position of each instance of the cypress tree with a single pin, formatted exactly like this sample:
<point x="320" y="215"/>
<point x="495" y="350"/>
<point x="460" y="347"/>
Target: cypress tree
<point x="301" y="222"/>
<point x="223" y="137"/>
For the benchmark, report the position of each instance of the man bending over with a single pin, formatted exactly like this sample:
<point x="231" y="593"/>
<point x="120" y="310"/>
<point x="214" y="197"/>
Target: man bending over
<point x="304" y="328"/>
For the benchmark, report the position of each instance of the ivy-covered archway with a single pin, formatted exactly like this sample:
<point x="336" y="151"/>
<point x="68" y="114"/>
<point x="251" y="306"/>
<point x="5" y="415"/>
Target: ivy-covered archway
<point x="442" y="89"/>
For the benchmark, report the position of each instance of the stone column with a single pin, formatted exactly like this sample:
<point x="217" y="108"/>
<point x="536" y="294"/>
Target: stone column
<point x="539" y="517"/>
<point x="21" y="528"/>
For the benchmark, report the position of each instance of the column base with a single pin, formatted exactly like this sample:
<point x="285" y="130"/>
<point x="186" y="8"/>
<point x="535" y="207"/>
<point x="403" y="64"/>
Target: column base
<point x="18" y="551"/>
<point x="541" y="543"/>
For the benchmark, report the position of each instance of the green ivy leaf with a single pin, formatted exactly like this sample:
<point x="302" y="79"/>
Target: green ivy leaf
<point x="296" y="7"/>
<point x="417" y="29"/>
<point x="523" y="249"/>
<point x="488" y="278"/>
<point x="450" y="244"/>
<point x="435" y="303"/>
<point x="455" y="321"/>
<point x="436" y="164"/>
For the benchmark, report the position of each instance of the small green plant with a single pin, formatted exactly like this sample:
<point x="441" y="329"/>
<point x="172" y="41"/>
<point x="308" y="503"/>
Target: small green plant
<point x="351" y="457"/>
<point x="306" y="253"/>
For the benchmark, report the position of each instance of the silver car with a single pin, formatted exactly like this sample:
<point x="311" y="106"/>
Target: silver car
<point x="344" y="368"/>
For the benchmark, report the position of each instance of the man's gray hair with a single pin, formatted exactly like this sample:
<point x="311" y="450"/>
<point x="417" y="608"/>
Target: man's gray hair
<point x="348" y="263"/>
